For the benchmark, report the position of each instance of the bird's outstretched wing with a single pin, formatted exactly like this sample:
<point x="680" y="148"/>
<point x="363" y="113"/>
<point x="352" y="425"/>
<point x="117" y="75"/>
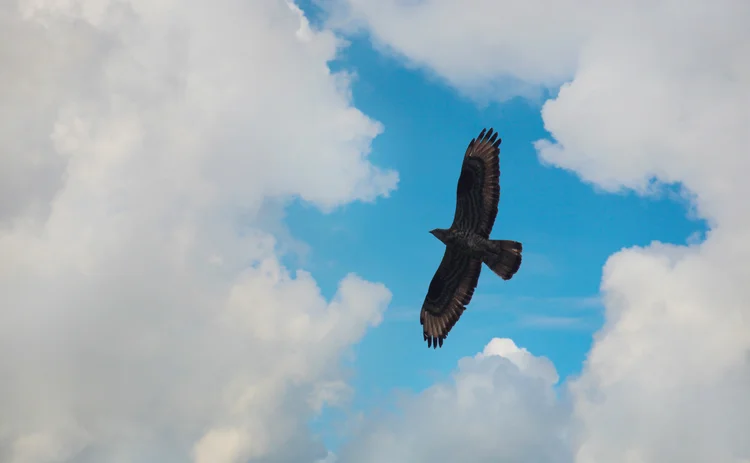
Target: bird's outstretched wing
<point x="478" y="189"/>
<point x="450" y="291"/>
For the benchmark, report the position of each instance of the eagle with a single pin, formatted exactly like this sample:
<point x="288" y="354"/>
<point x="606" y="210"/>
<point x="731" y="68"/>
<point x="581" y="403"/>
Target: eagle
<point x="467" y="241"/>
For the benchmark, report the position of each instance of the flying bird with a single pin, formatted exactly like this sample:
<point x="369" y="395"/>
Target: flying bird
<point x="467" y="241"/>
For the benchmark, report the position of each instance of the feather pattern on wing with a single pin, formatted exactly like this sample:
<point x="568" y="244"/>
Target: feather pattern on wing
<point x="450" y="291"/>
<point x="478" y="191"/>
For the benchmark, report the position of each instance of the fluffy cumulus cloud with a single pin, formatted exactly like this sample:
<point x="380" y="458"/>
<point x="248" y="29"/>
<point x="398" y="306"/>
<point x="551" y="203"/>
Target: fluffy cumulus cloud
<point x="655" y="92"/>
<point x="500" y="405"/>
<point x="482" y="46"/>
<point x="144" y="312"/>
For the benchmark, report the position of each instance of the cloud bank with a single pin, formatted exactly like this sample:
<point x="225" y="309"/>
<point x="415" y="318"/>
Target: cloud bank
<point x="499" y="405"/>
<point x="144" y="312"/>
<point x="653" y="93"/>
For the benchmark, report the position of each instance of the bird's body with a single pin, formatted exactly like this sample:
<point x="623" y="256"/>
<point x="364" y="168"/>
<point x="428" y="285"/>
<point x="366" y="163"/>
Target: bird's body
<point x="467" y="241"/>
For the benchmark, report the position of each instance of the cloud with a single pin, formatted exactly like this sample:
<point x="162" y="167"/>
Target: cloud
<point x="655" y="93"/>
<point x="672" y="359"/>
<point x="481" y="46"/>
<point x="144" y="312"/>
<point x="499" y="405"/>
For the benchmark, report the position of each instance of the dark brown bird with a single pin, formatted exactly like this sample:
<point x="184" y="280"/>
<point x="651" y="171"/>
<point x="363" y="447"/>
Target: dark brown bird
<point x="467" y="241"/>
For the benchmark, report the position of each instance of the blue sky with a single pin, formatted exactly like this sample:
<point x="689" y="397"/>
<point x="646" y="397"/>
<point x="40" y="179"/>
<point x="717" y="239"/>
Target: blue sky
<point x="568" y="228"/>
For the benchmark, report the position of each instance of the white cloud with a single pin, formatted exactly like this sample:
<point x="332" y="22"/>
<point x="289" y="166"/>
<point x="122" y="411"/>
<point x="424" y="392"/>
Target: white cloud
<point x="144" y="315"/>
<point x="498" y="406"/>
<point x="667" y="379"/>
<point x="658" y="91"/>
<point x="481" y="46"/>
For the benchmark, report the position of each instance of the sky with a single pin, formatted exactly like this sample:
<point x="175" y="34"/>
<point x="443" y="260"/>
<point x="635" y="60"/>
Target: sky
<point x="214" y="231"/>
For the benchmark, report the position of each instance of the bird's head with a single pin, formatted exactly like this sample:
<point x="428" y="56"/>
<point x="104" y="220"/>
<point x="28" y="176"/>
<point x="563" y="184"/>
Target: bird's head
<point x="440" y="233"/>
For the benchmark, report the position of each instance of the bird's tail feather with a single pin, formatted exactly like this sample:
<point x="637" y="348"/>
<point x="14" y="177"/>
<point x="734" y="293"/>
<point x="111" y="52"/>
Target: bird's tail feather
<point x="503" y="257"/>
